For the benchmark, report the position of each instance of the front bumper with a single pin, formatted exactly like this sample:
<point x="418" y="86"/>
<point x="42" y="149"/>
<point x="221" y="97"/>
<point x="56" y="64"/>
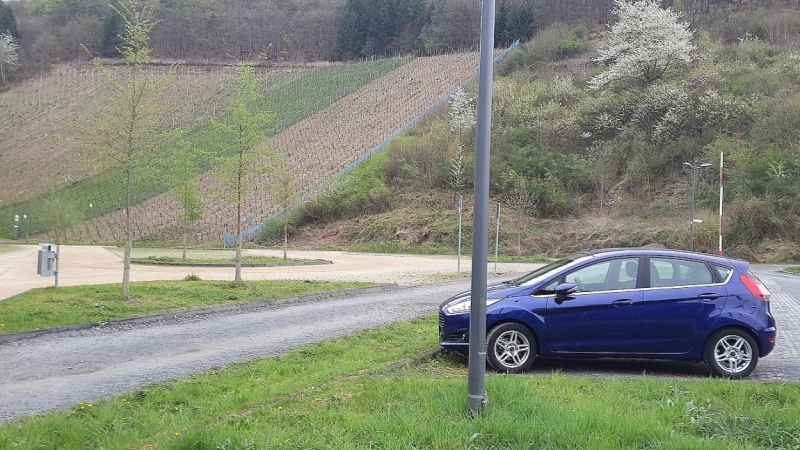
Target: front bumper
<point x="454" y="331"/>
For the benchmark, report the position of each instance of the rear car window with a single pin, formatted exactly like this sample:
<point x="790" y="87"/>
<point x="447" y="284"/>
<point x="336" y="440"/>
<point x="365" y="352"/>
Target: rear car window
<point x="723" y="271"/>
<point x="666" y="272"/>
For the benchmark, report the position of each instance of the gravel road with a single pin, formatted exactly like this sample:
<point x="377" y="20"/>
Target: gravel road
<point x="58" y="370"/>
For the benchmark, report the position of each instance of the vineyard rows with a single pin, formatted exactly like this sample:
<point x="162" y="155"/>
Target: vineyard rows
<point x="326" y="118"/>
<point x="315" y="148"/>
<point x="40" y="169"/>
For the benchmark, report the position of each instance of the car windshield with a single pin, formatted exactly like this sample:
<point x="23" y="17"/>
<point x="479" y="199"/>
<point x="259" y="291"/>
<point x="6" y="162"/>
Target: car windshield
<point x="535" y="276"/>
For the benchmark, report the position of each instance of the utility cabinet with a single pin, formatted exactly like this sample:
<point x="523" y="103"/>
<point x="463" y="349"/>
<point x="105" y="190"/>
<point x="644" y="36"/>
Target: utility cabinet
<point x="47" y="261"/>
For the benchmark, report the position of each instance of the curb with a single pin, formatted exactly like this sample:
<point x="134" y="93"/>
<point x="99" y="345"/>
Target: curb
<point x="28" y="334"/>
<point x="178" y="264"/>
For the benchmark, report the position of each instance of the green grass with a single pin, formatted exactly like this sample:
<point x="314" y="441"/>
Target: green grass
<point x="290" y="103"/>
<point x="342" y="394"/>
<point x="405" y="247"/>
<point x="792" y="270"/>
<point x="8" y="248"/>
<point x="246" y="261"/>
<point x="50" y="307"/>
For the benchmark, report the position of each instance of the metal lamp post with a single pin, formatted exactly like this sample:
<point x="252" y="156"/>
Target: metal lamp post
<point x="694" y="180"/>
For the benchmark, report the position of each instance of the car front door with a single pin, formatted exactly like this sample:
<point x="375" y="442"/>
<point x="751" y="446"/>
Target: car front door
<point x="682" y="303"/>
<point x="604" y="315"/>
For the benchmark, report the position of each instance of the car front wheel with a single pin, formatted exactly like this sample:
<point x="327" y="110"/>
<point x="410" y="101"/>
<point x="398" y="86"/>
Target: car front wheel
<point x="731" y="353"/>
<point x="511" y="348"/>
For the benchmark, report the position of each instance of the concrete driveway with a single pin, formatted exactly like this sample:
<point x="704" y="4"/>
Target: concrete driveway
<point x="86" y="265"/>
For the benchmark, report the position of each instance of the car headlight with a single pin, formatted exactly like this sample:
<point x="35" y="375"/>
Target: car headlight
<point x="464" y="305"/>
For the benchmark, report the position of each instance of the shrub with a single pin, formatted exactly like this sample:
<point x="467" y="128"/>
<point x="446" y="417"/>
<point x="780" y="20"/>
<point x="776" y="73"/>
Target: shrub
<point x="414" y="160"/>
<point x="751" y="221"/>
<point x="358" y="193"/>
<point x="555" y="42"/>
<point x="272" y="231"/>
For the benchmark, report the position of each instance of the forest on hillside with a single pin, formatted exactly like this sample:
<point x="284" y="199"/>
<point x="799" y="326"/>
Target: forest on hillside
<point x="50" y="31"/>
<point x="270" y="31"/>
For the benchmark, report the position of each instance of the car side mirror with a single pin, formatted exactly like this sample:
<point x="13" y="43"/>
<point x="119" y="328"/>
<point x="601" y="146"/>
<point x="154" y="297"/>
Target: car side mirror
<point x="563" y="291"/>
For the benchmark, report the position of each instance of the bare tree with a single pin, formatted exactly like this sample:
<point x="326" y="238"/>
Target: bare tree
<point x="247" y="153"/>
<point x="128" y="130"/>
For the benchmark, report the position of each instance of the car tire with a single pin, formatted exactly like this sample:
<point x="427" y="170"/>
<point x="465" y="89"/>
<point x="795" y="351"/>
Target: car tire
<point x="731" y="353"/>
<point x="510" y="348"/>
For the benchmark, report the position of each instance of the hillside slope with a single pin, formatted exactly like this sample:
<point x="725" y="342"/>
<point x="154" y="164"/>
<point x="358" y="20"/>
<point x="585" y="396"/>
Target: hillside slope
<point x="315" y="148"/>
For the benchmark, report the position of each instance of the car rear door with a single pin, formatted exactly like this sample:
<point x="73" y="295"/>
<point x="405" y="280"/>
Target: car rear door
<point x="604" y="316"/>
<point x="683" y="301"/>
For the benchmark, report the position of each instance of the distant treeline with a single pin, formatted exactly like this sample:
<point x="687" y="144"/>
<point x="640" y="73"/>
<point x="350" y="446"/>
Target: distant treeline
<point x="50" y="31"/>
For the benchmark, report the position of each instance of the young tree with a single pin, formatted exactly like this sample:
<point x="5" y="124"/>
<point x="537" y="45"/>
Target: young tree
<point x="8" y="55"/>
<point x="186" y="193"/>
<point x="284" y="191"/>
<point x="58" y="215"/>
<point x="644" y="44"/>
<point x="247" y="154"/>
<point x="128" y="130"/>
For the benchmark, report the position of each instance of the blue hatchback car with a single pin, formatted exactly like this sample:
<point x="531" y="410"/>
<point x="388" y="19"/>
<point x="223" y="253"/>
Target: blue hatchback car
<point x="624" y="303"/>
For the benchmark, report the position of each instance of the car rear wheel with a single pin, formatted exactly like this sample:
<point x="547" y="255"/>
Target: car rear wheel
<point x="511" y="348"/>
<point x="731" y="353"/>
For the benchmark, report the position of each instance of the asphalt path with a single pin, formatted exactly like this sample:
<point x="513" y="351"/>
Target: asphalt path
<point x="55" y="371"/>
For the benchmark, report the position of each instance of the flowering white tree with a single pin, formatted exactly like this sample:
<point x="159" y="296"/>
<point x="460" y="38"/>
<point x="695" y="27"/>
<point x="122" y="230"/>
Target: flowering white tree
<point x="462" y="110"/>
<point x="8" y="55"/>
<point x="644" y="44"/>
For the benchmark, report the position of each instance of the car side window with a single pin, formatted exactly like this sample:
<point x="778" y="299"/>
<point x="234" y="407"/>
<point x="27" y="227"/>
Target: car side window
<point x="609" y="275"/>
<point x="668" y="272"/>
<point x="549" y="288"/>
<point x="723" y="271"/>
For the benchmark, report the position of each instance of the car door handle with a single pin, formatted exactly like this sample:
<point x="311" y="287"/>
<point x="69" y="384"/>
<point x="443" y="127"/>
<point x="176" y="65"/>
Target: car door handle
<point x="624" y="302"/>
<point x="709" y="296"/>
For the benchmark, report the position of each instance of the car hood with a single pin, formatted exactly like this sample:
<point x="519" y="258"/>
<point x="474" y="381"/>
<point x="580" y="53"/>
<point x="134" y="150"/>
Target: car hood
<point x="493" y="291"/>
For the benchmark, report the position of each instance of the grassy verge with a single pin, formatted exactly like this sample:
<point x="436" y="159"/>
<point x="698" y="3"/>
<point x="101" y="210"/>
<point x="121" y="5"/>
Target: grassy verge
<point x="252" y="261"/>
<point x="50" y="307"/>
<point x="414" y="249"/>
<point x="340" y="394"/>
<point x="795" y="270"/>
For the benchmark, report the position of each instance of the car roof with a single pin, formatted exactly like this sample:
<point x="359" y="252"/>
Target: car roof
<point x="640" y="251"/>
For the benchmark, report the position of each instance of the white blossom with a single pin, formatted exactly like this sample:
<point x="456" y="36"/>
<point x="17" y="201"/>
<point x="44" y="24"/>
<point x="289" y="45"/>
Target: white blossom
<point x="8" y="55"/>
<point x="646" y="41"/>
<point x="462" y="110"/>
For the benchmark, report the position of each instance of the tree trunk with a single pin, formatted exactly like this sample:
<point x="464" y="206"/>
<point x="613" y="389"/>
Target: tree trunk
<point x="126" y="271"/>
<point x="285" y="234"/>
<point x="238" y="240"/>
<point x="184" y="242"/>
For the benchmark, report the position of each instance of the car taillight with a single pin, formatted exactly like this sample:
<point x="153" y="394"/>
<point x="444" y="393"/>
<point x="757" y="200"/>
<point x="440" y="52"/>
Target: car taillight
<point x="755" y="287"/>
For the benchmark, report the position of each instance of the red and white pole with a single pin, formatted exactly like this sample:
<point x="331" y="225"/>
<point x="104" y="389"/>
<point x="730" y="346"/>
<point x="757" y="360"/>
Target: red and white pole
<point x="721" y="179"/>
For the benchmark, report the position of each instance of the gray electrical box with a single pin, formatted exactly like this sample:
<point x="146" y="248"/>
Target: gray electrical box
<point x="47" y="261"/>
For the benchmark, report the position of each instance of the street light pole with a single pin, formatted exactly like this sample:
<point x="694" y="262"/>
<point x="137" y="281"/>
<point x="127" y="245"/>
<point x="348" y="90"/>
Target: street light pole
<point x="476" y="376"/>
<point x="691" y="217"/>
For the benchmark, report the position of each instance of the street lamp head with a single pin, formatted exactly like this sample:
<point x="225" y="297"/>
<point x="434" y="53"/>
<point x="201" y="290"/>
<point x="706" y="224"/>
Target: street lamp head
<point x="687" y="165"/>
<point x="705" y="165"/>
